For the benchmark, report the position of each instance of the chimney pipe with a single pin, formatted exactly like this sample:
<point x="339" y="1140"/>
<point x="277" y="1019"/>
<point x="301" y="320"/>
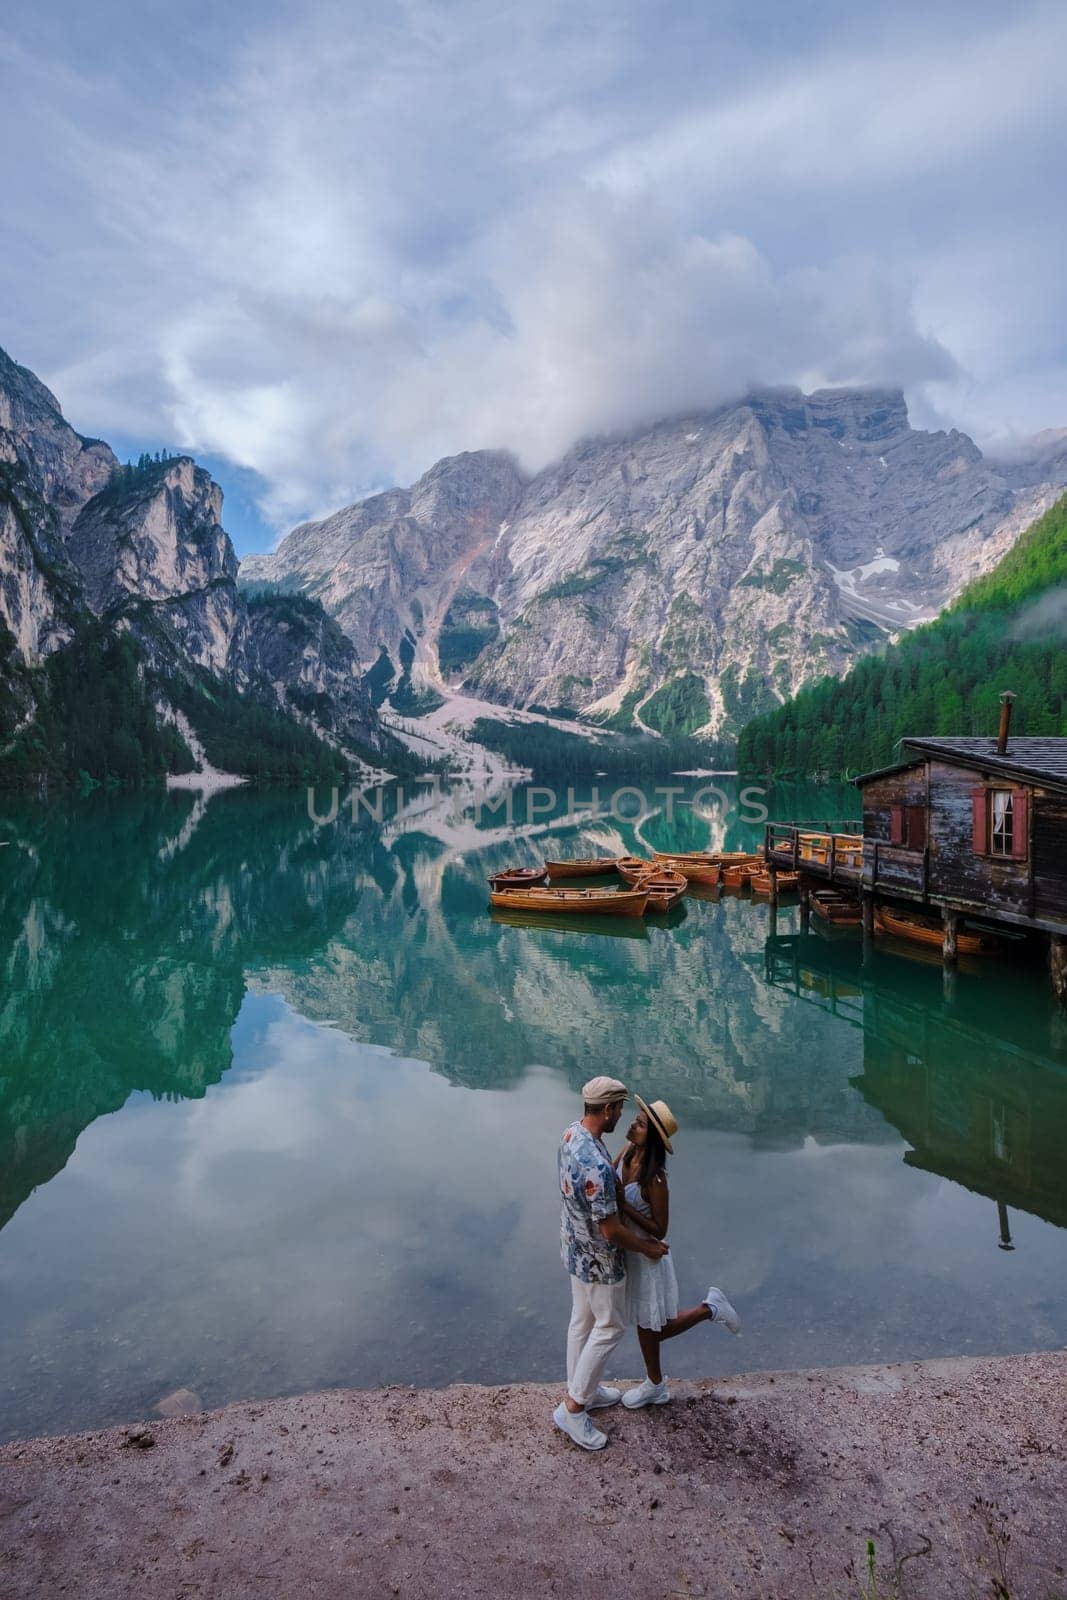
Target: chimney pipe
<point x="1007" y="700"/>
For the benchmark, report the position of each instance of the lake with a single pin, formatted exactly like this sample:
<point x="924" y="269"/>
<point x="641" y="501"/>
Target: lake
<point x="280" y="1100"/>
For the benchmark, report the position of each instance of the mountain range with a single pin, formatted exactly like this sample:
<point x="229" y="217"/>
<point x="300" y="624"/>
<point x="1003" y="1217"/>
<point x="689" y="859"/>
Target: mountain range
<point x="126" y="648"/>
<point x="682" y="577"/>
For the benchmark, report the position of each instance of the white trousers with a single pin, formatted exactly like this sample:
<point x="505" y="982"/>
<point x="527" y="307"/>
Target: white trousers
<point x="598" y="1322"/>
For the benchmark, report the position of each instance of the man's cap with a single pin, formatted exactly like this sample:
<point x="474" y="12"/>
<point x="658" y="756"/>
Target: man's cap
<point x="603" y="1091"/>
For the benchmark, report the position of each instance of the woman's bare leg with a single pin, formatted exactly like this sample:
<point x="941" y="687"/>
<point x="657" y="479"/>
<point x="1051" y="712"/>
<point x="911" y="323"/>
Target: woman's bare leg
<point x="683" y="1322"/>
<point x="649" y="1342"/>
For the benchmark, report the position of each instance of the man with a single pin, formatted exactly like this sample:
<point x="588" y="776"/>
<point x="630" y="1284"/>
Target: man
<point x="593" y="1238"/>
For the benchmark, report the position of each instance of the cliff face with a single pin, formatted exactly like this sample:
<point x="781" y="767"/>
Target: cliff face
<point x="160" y="540"/>
<point x="392" y="565"/>
<point x="678" y="577"/>
<point x="312" y="668"/>
<point x="47" y="473"/>
<point x="143" y="551"/>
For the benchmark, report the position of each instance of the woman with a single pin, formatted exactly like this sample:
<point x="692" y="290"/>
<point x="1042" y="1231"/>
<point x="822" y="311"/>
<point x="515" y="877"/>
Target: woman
<point x="651" y="1286"/>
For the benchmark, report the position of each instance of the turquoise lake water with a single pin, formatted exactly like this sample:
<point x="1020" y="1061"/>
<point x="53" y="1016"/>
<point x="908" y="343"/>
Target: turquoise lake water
<point x="279" y="1105"/>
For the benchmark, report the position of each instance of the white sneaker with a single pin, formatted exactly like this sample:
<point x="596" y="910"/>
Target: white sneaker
<point x="577" y="1425"/>
<point x="605" y="1396"/>
<point x="721" y="1310"/>
<point x="646" y="1394"/>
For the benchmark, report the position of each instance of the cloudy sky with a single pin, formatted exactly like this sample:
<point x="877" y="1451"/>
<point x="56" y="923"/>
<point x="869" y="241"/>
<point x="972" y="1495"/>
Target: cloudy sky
<point x="323" y="244"/>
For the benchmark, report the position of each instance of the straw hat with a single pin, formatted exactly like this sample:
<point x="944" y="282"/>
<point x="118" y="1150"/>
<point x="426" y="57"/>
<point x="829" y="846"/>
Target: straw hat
<point x="662" y="1119"/>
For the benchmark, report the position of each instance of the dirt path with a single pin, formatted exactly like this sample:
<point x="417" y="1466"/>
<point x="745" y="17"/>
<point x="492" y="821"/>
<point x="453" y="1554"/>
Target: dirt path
<point x="761" y="1486"/>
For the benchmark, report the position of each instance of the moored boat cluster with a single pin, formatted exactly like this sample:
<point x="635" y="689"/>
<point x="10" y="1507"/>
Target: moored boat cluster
<point x="648" y="887"/>
<point x="655" y="886"/>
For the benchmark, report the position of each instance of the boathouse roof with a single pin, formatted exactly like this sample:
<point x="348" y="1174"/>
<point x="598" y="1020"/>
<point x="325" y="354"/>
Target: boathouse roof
<point x="1036" y="760"/>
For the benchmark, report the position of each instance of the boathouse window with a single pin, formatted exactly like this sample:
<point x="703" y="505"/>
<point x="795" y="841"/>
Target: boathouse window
<point x="1000" y="822"/>
<point x="907" y="827"/>
<point x="1001" y="819"/>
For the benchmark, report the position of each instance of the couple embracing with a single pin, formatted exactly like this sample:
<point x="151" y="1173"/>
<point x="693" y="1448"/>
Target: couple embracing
<point x="614" y="1224"/>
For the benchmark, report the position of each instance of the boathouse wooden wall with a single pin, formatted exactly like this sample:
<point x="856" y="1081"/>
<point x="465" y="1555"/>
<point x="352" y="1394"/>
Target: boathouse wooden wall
<point x="957" y="871"/>
<point x="1049" y="844"/>
<point x="889" y="807"/>
<point x="940" y="859"/>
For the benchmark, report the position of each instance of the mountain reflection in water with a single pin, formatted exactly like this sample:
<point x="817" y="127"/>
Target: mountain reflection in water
<point x="146" y="941"/>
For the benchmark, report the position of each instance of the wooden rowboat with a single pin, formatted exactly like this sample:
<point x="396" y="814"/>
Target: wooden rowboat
<point x="582" y="902"/>
<point x="920" y="930"/>
<point x="518" y="878"/>
<point x="737" y="874"/>
<point x="835" y="908"/>
<point x="761" y="882"/>
<point x="719" y="858"/>
<point x="587" y="867"/>
<point x="633" y="867"/>
<point x="664" y="889"/>
<point x="695" y="871"/>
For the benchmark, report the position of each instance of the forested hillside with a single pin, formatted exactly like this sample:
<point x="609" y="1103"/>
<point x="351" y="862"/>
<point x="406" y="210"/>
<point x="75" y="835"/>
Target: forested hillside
<point x="546" y="749"/>
<point x="1007" y="630"/>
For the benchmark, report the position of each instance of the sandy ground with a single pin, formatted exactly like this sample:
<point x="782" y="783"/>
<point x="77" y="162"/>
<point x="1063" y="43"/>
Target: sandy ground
<point x="761" y="1486"/>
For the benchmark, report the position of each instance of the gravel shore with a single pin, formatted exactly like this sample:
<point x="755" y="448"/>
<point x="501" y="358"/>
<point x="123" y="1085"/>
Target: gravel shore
<point x="767" y="1485"/>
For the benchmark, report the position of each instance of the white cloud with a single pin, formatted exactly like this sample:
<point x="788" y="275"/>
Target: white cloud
<point x="368" y="239"/>
<point x="861" y="119"/>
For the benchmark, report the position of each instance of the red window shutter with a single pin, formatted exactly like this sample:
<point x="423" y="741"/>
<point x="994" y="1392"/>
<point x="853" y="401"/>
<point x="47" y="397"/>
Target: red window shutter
<point x="896" y="824"/>
<point x="1020" y="824"/>
<point x="916" y="827"/>
<point x="980" y="821"/>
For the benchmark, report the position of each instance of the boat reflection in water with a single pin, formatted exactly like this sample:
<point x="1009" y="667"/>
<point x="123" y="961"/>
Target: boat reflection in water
<point x="973" y="1078"/>
<point x="563" y="922"/>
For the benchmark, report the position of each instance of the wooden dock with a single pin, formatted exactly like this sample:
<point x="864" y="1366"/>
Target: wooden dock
<point x="969" y="830"/>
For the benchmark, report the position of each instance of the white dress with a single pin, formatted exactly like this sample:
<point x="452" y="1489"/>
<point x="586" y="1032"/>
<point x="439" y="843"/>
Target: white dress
<point x="651" y="1286"/>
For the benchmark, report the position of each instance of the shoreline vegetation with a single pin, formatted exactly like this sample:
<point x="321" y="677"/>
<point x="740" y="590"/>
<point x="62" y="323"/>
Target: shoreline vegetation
<point x="98" y="724"/>
<point x="590" y="753"/>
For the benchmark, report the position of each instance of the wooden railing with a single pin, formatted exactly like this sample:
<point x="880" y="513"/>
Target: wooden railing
<point x="835" y="848"/>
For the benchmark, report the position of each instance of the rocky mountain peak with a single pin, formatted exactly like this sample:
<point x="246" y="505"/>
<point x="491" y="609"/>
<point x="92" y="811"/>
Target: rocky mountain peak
<point x="143" y="549"/>
<point x="675" y="576"/>
<point x="870" y="415"/>
<point x="155" y="532"/>
<point x="62" y="467"/>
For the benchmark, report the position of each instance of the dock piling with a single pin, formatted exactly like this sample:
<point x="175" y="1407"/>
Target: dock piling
<point x="1057" y="961"/>
<point x="868" y="916"/>
<point x="951" y="922"/>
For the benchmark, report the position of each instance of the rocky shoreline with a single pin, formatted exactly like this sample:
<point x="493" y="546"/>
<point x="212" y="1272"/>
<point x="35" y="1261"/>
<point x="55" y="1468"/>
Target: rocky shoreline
<point x="765" y="1485"/>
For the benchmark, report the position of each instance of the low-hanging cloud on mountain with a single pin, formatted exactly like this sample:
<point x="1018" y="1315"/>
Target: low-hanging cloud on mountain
<point x="1045" y="620"/>
<point x="332" y="245"/>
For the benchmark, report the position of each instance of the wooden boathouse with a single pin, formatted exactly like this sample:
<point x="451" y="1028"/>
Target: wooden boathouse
<point x="973" y="830"/>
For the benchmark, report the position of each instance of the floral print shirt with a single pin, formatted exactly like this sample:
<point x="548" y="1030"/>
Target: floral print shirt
<point x="587" y="1192"/>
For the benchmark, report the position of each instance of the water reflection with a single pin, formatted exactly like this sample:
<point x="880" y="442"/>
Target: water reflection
<point x="308" y="1031"/>
<point x="975" y="1080"/>
<point x="129" y="930"/>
